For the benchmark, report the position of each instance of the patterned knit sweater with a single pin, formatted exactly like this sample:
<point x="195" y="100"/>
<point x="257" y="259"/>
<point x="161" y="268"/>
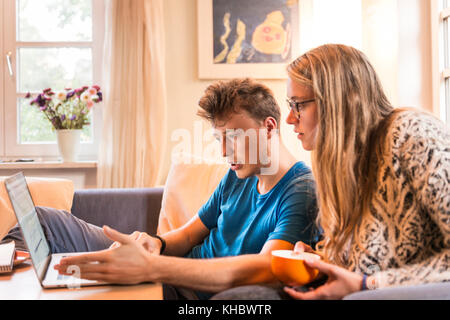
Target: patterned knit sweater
<point x="405" y="239"/>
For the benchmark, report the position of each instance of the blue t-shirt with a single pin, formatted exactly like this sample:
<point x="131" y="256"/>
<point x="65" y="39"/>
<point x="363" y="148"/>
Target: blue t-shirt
<point x="241" y="220"/>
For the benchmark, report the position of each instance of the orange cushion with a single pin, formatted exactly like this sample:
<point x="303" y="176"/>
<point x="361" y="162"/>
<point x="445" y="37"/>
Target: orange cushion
<point x="188" y="187"/>
<point x="46" y="192"/>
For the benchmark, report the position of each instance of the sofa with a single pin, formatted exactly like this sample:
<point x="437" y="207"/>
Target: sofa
<point x="159" y="210"/>
<point x="126" y="210"/>
<point x="143" y="206"/>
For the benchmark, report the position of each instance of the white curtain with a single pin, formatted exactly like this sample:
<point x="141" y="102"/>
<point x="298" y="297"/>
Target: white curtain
<point x="134" y="115"/>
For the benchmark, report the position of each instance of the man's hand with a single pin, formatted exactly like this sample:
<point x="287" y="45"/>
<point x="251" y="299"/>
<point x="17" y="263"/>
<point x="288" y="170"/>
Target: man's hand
<point x="126" y="264"/>
<point x="301" y="247"/>
<point x="151" y="244"/>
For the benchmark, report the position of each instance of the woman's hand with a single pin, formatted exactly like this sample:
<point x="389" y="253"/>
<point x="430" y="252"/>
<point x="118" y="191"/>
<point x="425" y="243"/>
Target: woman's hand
<point x="151" y="244"/>
<point x="341" y="283"/>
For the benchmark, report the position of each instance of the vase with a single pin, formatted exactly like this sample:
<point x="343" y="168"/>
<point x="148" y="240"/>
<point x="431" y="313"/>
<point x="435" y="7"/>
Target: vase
<point x="68" y="144"/>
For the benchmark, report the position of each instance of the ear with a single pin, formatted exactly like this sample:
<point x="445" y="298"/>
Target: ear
<point x="271" y="124"/>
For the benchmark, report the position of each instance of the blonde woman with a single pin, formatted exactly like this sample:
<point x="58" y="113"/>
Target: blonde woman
<point x="382" y="174"/>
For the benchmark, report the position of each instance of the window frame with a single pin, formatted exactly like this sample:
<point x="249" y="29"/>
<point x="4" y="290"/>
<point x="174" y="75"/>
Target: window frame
<point x="9" y="127"/>
<point x="2" y="93"/>
<point x="440" y="23"/>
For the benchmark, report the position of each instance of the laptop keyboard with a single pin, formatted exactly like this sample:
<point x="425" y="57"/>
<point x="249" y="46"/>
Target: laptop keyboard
<point x="62" y="277"/>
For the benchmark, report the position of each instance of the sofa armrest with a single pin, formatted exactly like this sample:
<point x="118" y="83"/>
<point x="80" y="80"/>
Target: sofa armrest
<point x="430" y="291"/>
<point x="126" y="210"/>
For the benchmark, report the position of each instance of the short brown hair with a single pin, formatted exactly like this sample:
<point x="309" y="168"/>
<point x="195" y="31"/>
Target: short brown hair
<point x="224" y="98"/>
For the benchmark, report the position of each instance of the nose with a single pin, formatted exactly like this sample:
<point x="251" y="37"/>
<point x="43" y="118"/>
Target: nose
<point x="227" y="148"/>
<point x="291" y="118"/>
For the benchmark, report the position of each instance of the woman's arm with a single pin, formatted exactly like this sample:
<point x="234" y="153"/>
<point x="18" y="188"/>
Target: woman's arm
<point x="423" y="149"/>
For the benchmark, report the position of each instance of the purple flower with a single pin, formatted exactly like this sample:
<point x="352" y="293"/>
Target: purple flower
<point x="70" y="94"/>
<point x="63" y="117"/>
<point x="28" y="96"/>
<point x="73" y="117"/>
<point x="41" y="100"/>
<point x="100" y="96"/>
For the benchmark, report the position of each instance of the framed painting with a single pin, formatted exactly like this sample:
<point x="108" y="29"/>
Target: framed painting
<point x="247" y="38"/>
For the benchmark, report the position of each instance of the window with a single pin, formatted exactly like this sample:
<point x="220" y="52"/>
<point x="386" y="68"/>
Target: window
<point x="47" y="44"/>
<point x="441" y="58"/>
<point x="330" y="21"/>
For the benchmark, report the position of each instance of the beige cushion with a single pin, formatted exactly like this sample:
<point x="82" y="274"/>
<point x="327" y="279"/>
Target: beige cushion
<point x="46" y="192"/>
<point x="187" y="188"/>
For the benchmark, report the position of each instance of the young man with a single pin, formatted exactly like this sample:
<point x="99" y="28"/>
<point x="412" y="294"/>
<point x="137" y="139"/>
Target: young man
<point x="264" y="203"/>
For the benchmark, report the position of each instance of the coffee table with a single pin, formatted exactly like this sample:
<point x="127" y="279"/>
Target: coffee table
<point x="22" y="284"/>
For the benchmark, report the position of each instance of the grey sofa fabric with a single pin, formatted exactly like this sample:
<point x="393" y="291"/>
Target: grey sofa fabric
<point x="432" y="291"/>
<point x="126" y="210"/>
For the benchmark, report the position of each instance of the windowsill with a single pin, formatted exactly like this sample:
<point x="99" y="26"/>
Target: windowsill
<point x="48" y="165"/>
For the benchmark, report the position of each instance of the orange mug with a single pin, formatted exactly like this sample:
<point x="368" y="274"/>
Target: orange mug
<point x="289" y="267"/>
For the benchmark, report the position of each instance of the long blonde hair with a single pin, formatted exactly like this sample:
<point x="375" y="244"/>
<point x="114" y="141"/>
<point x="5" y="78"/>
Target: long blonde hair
<point x="352" y="113"/>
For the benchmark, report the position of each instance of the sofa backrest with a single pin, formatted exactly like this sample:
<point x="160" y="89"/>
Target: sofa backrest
<point x="126" y="210"/>
<point x="46" y="192"/>
<point x="188" y="187"/>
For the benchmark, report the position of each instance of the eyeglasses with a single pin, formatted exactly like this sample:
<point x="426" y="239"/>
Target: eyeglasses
<point x="298" y="106"/>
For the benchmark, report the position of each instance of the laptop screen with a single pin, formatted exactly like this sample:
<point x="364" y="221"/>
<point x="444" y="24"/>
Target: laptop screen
<point x="28" y="220"/>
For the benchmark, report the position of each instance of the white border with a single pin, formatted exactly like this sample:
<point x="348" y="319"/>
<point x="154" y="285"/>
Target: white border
<point x="209" y="70"/>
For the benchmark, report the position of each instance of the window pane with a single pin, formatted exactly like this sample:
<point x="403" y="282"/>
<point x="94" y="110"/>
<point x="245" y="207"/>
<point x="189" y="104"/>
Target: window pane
<point x="447" y="101"/>
<point x="36" y="128"/>
<point x="54" y="20"/>
<point x="56" y="68"/>
<point x="446" y="43"/>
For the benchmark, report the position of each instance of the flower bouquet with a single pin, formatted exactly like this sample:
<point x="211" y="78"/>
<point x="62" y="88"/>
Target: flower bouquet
<point x="68" y="109"/>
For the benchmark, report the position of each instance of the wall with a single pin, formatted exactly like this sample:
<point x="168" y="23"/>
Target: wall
<point x="407" y="79"/>
<point x="415" y="65"/>
<point x="403" y="62"/>
<point x="183" y="86"/>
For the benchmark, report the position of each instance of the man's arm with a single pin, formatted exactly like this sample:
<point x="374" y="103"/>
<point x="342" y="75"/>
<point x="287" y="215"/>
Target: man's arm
<point x="215" y="275"/>
<point x="131" y="263"/>
<point x="180" y="241"/>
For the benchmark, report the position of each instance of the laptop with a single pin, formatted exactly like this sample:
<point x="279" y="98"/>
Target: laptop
<point x="33" y="234"/>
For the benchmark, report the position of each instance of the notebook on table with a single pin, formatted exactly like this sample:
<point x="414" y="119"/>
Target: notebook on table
<point x="7" y="252"/>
